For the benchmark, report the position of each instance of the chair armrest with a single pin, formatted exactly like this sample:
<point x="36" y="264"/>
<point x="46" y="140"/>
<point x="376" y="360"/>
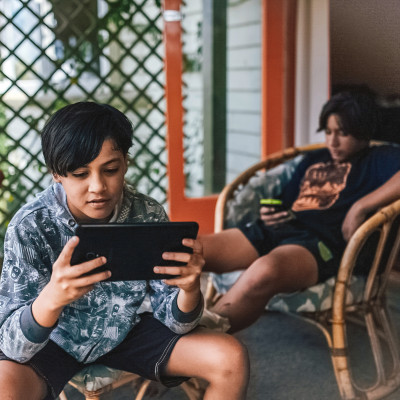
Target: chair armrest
<point x="384" y="222"/>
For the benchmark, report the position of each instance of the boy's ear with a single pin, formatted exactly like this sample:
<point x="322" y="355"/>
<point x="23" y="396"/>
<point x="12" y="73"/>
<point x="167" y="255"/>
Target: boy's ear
<point x="56" y="177"/>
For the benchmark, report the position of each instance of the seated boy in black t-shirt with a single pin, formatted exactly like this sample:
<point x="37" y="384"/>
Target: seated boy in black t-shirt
<point x="330" y="195"/>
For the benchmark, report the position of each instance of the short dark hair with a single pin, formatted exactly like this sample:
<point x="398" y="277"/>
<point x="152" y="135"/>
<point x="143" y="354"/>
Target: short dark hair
<point x="358" y="114"/>
<point x="74" y="135"/>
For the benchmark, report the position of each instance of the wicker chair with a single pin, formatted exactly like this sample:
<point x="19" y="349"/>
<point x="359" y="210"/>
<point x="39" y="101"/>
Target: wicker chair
<point x="97" y="380"/>
<point x="347" y="298"/>
<point x="87" y="383"/>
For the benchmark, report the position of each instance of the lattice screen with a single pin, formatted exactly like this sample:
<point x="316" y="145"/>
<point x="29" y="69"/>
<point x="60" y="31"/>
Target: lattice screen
<point x="56" y="52"/>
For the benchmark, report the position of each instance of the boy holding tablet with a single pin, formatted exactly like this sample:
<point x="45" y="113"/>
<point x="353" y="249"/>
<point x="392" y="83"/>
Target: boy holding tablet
<point x="55" y="318"/>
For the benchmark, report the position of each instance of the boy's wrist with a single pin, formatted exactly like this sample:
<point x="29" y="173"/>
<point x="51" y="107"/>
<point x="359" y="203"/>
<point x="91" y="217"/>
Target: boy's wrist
<point x="188" y="300"/>
<point x="193" y="291"/>
<point x="32" y="330"/>
<point x="187" y="316"/>
<point x="45" y="312"/>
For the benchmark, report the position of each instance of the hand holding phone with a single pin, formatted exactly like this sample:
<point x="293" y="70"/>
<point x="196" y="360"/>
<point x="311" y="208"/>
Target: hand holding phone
<point x="273" y="212"/>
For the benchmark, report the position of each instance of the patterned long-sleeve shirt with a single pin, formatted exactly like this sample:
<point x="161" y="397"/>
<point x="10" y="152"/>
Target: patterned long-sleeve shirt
<point x="97" y="322"/>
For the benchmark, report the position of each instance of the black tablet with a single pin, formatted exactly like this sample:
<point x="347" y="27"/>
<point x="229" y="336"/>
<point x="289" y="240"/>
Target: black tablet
<point x="132" y="250"/>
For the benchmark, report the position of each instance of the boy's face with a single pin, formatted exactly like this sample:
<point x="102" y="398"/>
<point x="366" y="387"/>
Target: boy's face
<point x="340" y="145"/>
<point x="94" y="189"/>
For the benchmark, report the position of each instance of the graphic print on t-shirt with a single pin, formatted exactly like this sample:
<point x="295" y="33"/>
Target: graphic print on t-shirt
<point x="321" y="186"/>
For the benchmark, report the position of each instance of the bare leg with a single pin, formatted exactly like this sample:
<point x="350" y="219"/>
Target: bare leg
<point x="20" y="382"/>
<point x="218" y="358"/>
<point x="285" y="269"/>
<point x="227" y="251"/>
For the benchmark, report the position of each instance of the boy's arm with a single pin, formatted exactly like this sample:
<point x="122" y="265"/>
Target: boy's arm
<point x="20" y="283"/>
<point x="380" y="197"/>
<point x="30" y="307"/>
<point x="67" y="284"/>
<point x="164" y="301"/>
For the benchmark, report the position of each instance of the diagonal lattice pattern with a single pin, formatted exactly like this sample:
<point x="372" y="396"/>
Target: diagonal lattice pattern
<point x="56" y="52"/>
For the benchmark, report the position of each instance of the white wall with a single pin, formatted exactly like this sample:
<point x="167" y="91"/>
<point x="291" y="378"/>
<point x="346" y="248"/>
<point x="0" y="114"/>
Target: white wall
<point x="243" y="85"/>
<point x="193" y="100"/>
<point x="312" y="68"/>
<point x="365" y="44"/>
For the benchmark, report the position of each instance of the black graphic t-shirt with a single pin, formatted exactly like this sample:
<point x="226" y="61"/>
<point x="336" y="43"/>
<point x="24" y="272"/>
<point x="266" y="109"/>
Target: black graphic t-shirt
<point x="321" y="192"/>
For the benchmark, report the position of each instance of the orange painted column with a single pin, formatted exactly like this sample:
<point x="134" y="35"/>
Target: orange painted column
<point x="181" y="208"/>
<point x="278" y="54"/>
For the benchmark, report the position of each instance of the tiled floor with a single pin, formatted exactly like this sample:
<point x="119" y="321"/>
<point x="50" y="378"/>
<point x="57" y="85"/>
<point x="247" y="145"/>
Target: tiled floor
<point x="289" y="358"/>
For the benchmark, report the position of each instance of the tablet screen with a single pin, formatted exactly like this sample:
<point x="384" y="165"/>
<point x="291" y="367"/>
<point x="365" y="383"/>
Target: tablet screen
<point x="132" y="250"/>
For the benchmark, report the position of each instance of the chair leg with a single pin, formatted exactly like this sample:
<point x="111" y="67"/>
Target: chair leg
<point x="343" y="377"/>
<point x="142" y="389"/>
<point x="62" y="396"/>
<point x="88" y="396"/>
<point x="193" y="389"/>
<point x="339" y="353"/>
<point x="378" y="329"/>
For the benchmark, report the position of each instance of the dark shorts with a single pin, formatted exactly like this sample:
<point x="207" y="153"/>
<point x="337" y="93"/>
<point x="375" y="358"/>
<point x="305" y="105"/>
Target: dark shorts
<point x="145" y="351"/>
<point x="266" y="238"/>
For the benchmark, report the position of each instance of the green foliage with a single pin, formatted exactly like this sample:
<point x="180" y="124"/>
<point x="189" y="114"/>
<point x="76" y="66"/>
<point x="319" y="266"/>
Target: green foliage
<point x="8" y="203"/>
<point x="193" y="62"/>
<point x="13" y="190"/>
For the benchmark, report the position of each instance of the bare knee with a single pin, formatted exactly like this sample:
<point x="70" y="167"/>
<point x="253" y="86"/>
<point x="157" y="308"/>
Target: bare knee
<point x="230" y="362"/>
<point x="218" y="358"/>
<point x="20" y="382"/>
<point x="286" y="269"/>
<point x="214" y="357"/>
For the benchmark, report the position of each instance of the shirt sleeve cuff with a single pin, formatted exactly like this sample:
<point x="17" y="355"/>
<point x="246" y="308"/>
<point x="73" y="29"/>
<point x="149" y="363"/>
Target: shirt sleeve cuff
<point x="34" y="332"/>
<point x="189" y="316"/>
